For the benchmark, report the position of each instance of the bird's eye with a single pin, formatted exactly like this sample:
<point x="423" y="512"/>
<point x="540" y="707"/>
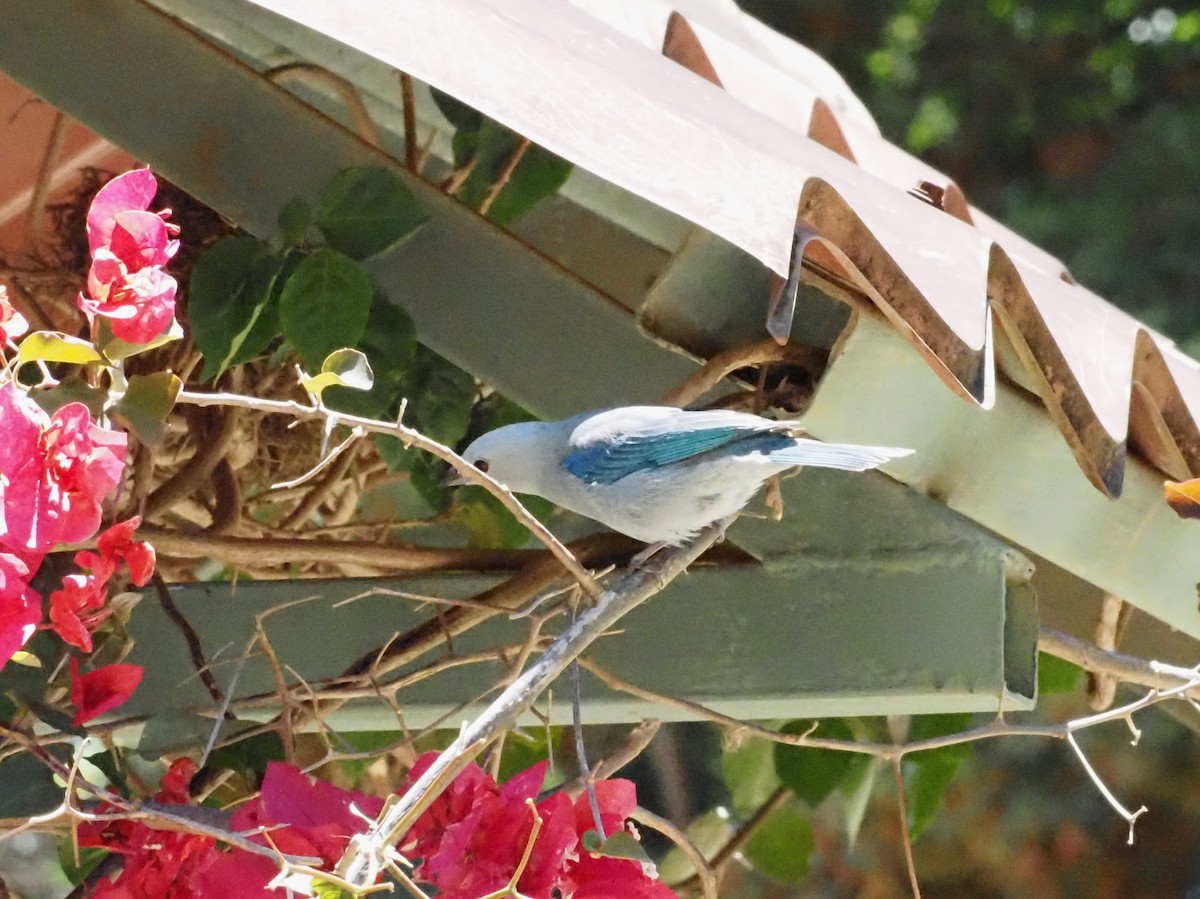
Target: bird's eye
<point x="482" y="465"/>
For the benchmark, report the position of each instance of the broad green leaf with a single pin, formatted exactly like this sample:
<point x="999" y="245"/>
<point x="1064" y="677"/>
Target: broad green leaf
<point x="324" y="305"/>
<point x="812" y="774"/>
<point x="71" y="390"/>
<point x="27" y="787"/>
<point x="928" y="774"/>
<point x="173" y="731"/>
<point x="538" y="174"/>
<point x="341" y="368"/>
<point x="390" y="343"/>
<point x="367" y="210"/>
<point x="782" y="844"/>
<point x="295" y="218"/>
<point x="490" y="524"/>
<point x="231" y="290"/>
<point x="523" y="750"/>
<point x="147" y="402"/>
<point x="54" y="346"/>
<point x="1055" y="675"/>
<point x="749" y="773"/>
<point x="440" y="398"/>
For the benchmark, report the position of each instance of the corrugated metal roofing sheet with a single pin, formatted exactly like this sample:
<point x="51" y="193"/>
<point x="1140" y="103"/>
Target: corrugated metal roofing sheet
<point x="708" y="114"/>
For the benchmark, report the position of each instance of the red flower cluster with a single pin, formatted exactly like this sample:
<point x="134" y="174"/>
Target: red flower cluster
<point x="292" y="812"/>
<point x="77" y="608"/>
<point x="55" y="470"/>
<point x="471" y="840"/>
<point x="130" y="245"/>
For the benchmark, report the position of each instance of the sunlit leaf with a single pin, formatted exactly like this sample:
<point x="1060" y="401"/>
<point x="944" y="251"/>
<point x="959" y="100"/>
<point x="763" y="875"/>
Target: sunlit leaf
<point x="231" y="292"/>
<point x="115" y="349"/>
<point x="1183" y="497"/>
<point x="390" y="342"/>
<point x="749" y="773"/>
<point x="147" y="402"/>
<point x="324" y="305"/>
<point x="1057" y="675"/>
<point x="54" y="346"/>
<point x="367" y="210"/>
<point x="812" y="774"/>
<point x="782" y="844"/>
<point x="341" y="368"/>
<point x="28" y="659"/>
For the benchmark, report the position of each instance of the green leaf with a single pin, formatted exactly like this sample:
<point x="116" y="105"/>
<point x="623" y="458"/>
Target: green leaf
<point x="248" y="757"/>
<point x="708" y="833"/>
<point x="390" y="342"/>
<point x="89" y="857"/>
<point x="54" y="346"/>
<point x="1055" y="675"/>
<point x="440" y="398"/>
<point x="295" y="218"/>
<point x="324" y="305"/>
<point x="782" y="844"/>
<point x="524" y="750"/>
<point x="367" y="210"/>
<point x="341" y="368"/>
<point x="230" y="292"/>
<point x="490" y="524"/>
<point x="171" y="732"/>
<point x="457" y="113"/>
<point x="71" y="390"/>
<point x="749" y="773"/>
<point x="27" y="787"/>
<point x="538" y="174"/>
<point x="812" y="774"/>
<point x="619" y="845"/>
<point x="929" y="773"/>
<point x="147" y="402"/>
<point x="857" y="792"/>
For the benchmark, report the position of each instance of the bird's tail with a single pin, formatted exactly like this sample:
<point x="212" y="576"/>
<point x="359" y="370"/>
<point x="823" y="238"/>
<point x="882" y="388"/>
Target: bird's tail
<point x="843" y="456"/>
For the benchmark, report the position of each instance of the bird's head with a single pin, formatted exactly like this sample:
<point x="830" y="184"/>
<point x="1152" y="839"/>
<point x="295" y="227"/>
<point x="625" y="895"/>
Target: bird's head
<point x="518" y="456"/>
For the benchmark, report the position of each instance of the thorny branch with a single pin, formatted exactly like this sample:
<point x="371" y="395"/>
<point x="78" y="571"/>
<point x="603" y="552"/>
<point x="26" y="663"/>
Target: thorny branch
<point x="410" y="438"/>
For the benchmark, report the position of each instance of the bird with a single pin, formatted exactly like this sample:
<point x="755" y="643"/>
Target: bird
<point x="659" y="474"/>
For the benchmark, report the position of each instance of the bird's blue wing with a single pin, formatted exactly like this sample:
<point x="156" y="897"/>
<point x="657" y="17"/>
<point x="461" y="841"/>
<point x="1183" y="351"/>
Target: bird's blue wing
<point x="613" y="444"/>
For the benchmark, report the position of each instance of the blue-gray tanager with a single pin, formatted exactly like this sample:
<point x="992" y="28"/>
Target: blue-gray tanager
<point x="656" y="473"/>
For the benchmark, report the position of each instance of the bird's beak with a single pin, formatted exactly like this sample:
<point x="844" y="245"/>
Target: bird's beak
<point x="453" y="479"/>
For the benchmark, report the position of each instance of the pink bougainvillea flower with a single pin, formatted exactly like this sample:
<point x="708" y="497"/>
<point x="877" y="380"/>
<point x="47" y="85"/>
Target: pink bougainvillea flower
<point x="139" y="306"/>
<point x="131" y="191"/>
<point x="77" y="608"/>
<point x="160" y="864"/>
<point x="102" y="690"/>
<point x="55" y="472"/>
<point x="305" y="816"/>
<point x="117" y="545"/>
<point x="12" y="323"/>
<point x="20" y="606"/>
<point x="129" y="244"/>
<point x="471" y="839"/>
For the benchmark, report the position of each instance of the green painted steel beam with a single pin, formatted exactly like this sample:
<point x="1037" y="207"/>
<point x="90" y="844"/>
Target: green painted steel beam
<point x="869" y="597"/>
<point x="891" y="605"/>
<point x="234" y="140"/>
